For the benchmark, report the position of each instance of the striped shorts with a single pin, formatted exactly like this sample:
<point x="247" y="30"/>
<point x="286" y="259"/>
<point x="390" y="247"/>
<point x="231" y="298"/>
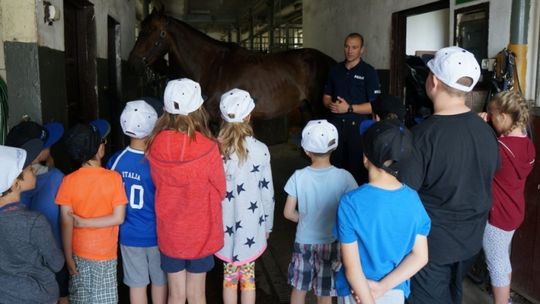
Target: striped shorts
<point x="95" y="282"/>
<point x="497" y="249"/>
<point x="312" y="267"/>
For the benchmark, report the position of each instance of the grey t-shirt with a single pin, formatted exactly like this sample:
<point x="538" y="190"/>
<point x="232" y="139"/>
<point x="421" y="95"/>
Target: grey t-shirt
<point x="29" y="257"/>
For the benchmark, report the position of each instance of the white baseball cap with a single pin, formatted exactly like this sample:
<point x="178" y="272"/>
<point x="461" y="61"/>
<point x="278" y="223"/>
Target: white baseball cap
<point x="14" y="160"/>
<point x="235" y="105"/>
<point x="138" y="119"/>
<point x="319" y="136"/>
<point x="182" y="96"/>
<point x="452" y="63"/>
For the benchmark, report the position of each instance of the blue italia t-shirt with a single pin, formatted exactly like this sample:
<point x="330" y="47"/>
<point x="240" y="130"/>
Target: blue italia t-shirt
<point x="385" y="224"/>
<point x="139" y="227"/>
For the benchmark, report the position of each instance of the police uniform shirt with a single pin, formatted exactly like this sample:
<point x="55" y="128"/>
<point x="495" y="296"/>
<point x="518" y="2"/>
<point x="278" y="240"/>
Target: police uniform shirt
<point x="358" y="85"/>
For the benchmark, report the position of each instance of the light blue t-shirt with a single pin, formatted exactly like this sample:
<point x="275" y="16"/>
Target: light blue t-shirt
<point x="139" y="227"/>
<point x="317" y="192"/>
<point x="385" y="224"/>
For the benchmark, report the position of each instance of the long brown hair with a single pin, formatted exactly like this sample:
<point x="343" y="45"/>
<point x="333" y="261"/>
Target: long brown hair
<point x="232" y="139"/>
<point x="188" y="124"/>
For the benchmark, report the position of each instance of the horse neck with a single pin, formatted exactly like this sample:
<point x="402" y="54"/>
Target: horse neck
<point x="193" y="50"/>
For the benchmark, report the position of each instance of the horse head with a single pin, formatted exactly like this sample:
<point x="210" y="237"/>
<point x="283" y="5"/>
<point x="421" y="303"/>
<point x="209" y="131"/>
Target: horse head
<point x="153" y="42"/>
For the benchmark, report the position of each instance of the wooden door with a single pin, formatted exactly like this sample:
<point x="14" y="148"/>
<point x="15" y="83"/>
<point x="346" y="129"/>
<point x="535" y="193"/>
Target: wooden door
<point x="80" y="54"/>
<point x="526" y="243"/>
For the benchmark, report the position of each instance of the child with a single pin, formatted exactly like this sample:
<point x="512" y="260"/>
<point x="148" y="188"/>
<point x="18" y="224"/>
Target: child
<point x="41" y="198"/>
<point x="385" y="107"/>
<point x="92" y="204"/>
<point x="382" y="225"/>
<point x="138" y="238"/>
<point x="509" y="115"/>
<point x="29" y="256"/>
<point x="316" y="190"/>
<point x="248" y="208"/>
<point x="188" y="173"/>
<point x="452" y="167"/>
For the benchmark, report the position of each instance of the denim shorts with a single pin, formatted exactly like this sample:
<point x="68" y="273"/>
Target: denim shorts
<point x="172" y="265"/>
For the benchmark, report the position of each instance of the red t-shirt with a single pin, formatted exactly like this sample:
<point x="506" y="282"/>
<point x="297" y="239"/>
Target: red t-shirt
<point x="517" y="160"/>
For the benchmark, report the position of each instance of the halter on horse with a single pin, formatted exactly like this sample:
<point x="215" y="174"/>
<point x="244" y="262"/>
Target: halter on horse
<point x="279" y="82"/>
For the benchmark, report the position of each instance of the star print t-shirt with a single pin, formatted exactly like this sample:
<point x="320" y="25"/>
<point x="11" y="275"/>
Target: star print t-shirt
<point x="248" y="207"/>
<point x="317" y="192"/>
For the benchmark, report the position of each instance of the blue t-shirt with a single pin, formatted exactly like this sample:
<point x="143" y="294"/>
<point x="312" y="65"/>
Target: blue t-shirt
<point x="317" y="192"/>
<point x="358" y="85"/>
<point x="41" y="199"/>
<point x="385" y="224"/>
<point x="139" y="227"/>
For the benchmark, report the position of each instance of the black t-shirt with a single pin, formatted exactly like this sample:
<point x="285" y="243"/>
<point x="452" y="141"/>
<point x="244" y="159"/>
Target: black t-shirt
<point x="452" y="167"/>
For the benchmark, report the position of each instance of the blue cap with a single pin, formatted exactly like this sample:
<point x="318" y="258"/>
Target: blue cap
<point x="102" y="126"/>
<point x="55" y="130"/>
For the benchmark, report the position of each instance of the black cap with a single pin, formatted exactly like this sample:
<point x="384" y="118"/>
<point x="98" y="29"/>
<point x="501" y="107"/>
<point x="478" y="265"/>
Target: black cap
<point x="21" y="133"/>
<point x="32" y="147"/>
<point x="82" y="142"/>
<point x="388" y="104"/>
<point x="24" y="132"/>
<point x="387" y="140"/>
<point x="154" y="103"/>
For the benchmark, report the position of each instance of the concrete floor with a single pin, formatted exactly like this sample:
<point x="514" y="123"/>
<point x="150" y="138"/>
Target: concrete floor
<point x="285" y="159"/>
<point x="271" y="268"/>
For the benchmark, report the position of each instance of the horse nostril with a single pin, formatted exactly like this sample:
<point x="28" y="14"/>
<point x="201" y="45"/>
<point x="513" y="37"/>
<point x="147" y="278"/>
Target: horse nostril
<point x="144" y="60"/>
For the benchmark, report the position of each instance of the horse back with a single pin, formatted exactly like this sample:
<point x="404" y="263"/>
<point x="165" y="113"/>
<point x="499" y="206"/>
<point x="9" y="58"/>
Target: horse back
<point x="278" y="82"/>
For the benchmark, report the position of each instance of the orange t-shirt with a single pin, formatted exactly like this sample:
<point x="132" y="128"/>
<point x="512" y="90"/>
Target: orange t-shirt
<point x="93" y="192"/>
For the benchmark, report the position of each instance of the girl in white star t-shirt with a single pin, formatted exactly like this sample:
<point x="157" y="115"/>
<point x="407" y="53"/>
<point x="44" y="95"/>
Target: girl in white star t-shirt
<point x="248" y="207"/>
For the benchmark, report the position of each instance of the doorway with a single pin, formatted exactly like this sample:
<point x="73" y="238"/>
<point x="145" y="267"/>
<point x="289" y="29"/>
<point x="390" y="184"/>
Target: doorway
<point x="112" y="104"/>
<point x="416" y="33"/>
<point x="80" y="54"/>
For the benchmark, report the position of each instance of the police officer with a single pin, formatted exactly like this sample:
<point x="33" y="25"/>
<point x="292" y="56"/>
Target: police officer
<point x="351" y="86"/>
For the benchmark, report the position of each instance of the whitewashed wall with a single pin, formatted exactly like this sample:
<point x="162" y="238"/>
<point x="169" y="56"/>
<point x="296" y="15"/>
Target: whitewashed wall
<point x="326" y="23"/>
<point x="427" y="31"/>
<point x="122" y="11"/>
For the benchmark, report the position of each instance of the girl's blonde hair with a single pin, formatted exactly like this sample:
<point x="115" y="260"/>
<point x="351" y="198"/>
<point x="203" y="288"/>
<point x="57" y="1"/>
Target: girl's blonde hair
<point x="232" y="139"/>
<point x="513" y="104"/>
<point x="189" y="124"/>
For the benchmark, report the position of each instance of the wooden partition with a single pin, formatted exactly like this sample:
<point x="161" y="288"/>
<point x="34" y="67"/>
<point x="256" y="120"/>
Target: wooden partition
<point x="526" y="243"/>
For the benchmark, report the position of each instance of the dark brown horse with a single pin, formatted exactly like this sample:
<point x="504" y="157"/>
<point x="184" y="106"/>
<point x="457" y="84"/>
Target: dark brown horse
<point x="278" y="82"/>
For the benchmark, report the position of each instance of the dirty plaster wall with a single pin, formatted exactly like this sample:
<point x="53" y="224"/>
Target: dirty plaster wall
<point x="32" y="54"/>
<point x="326" y="23"/>
<point x="2" y="56"/>
<point x="21" y="59"/>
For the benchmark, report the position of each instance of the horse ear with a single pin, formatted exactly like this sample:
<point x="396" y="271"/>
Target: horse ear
<point x="158" y="8"/>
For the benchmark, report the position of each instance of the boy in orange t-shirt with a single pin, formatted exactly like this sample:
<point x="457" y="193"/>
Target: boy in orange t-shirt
<point x="92" y="203"/>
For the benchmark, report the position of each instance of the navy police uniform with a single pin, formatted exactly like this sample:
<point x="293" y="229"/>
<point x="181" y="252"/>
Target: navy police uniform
<point x="358" y="85"/>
